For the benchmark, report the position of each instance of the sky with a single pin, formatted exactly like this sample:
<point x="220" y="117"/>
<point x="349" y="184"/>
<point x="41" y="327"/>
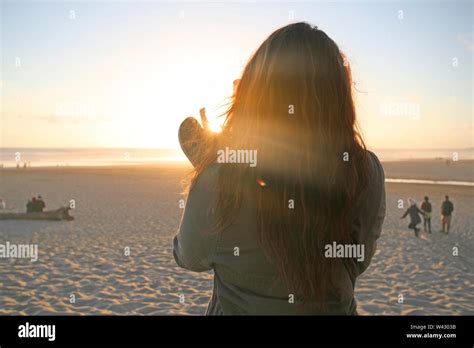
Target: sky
<point x="125" y="74"/>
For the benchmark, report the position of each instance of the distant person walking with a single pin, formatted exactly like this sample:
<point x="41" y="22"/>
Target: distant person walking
<point x="3" y="205"/>
<point x="415" y="219"/>
<point x="447" y="209"/>
<point x="427" y="209"/>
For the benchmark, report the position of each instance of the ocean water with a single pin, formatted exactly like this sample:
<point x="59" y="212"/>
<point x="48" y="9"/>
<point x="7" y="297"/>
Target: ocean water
<point x="413" y="154"/>
<point x="431" y="182"/>
<point x="49" y="157"/>
<point x="42" y="157"/>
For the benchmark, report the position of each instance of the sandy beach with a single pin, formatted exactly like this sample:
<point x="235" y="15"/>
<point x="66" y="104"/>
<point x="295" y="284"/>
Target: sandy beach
<point x="138" y="208"/>
<point x="431" y="169"/>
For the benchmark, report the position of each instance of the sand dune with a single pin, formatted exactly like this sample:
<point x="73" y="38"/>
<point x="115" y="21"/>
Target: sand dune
<point x="138" y="208"/>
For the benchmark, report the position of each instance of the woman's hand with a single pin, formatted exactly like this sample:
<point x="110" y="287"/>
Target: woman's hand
<point x="204" y="120"/>
<point x="202" y="111"/>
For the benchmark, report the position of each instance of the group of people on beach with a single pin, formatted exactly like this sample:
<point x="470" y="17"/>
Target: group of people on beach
<point x="425" y="209"/>
<point x="35" y="205"/>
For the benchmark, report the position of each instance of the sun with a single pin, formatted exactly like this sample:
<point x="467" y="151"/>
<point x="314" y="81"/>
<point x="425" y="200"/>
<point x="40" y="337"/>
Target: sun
<point x="215" y="126"/>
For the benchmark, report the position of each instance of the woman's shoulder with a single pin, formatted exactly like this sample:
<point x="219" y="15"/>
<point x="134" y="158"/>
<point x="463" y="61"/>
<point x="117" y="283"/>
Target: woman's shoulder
<point x="376" y="168"/>
<point x="208" y="178"/>
<point x="211" y="172"/>
<point x="374" y="193"/>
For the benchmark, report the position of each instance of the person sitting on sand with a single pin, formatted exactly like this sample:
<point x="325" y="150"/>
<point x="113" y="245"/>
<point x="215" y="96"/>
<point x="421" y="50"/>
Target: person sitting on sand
<point x="447" y="209"/>
<point x="265" y="230"/>
<point x="40" y="205"/>
<point x="426" y="207"/>
<point x="30" y="205"/>
<point x="415" y="219"/>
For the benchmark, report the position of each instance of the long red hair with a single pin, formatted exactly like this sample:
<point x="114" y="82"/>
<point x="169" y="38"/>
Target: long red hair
<point x="294" y="105"/>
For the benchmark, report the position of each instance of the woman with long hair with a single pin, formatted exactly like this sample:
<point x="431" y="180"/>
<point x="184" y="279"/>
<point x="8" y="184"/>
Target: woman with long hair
<point x="265" y="229"/>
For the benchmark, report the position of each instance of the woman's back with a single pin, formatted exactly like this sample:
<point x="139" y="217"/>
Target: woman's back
<point x="245" y="280"/>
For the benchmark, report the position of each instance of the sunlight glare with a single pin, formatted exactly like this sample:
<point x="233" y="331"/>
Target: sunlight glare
<point x="215" y="126"/>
